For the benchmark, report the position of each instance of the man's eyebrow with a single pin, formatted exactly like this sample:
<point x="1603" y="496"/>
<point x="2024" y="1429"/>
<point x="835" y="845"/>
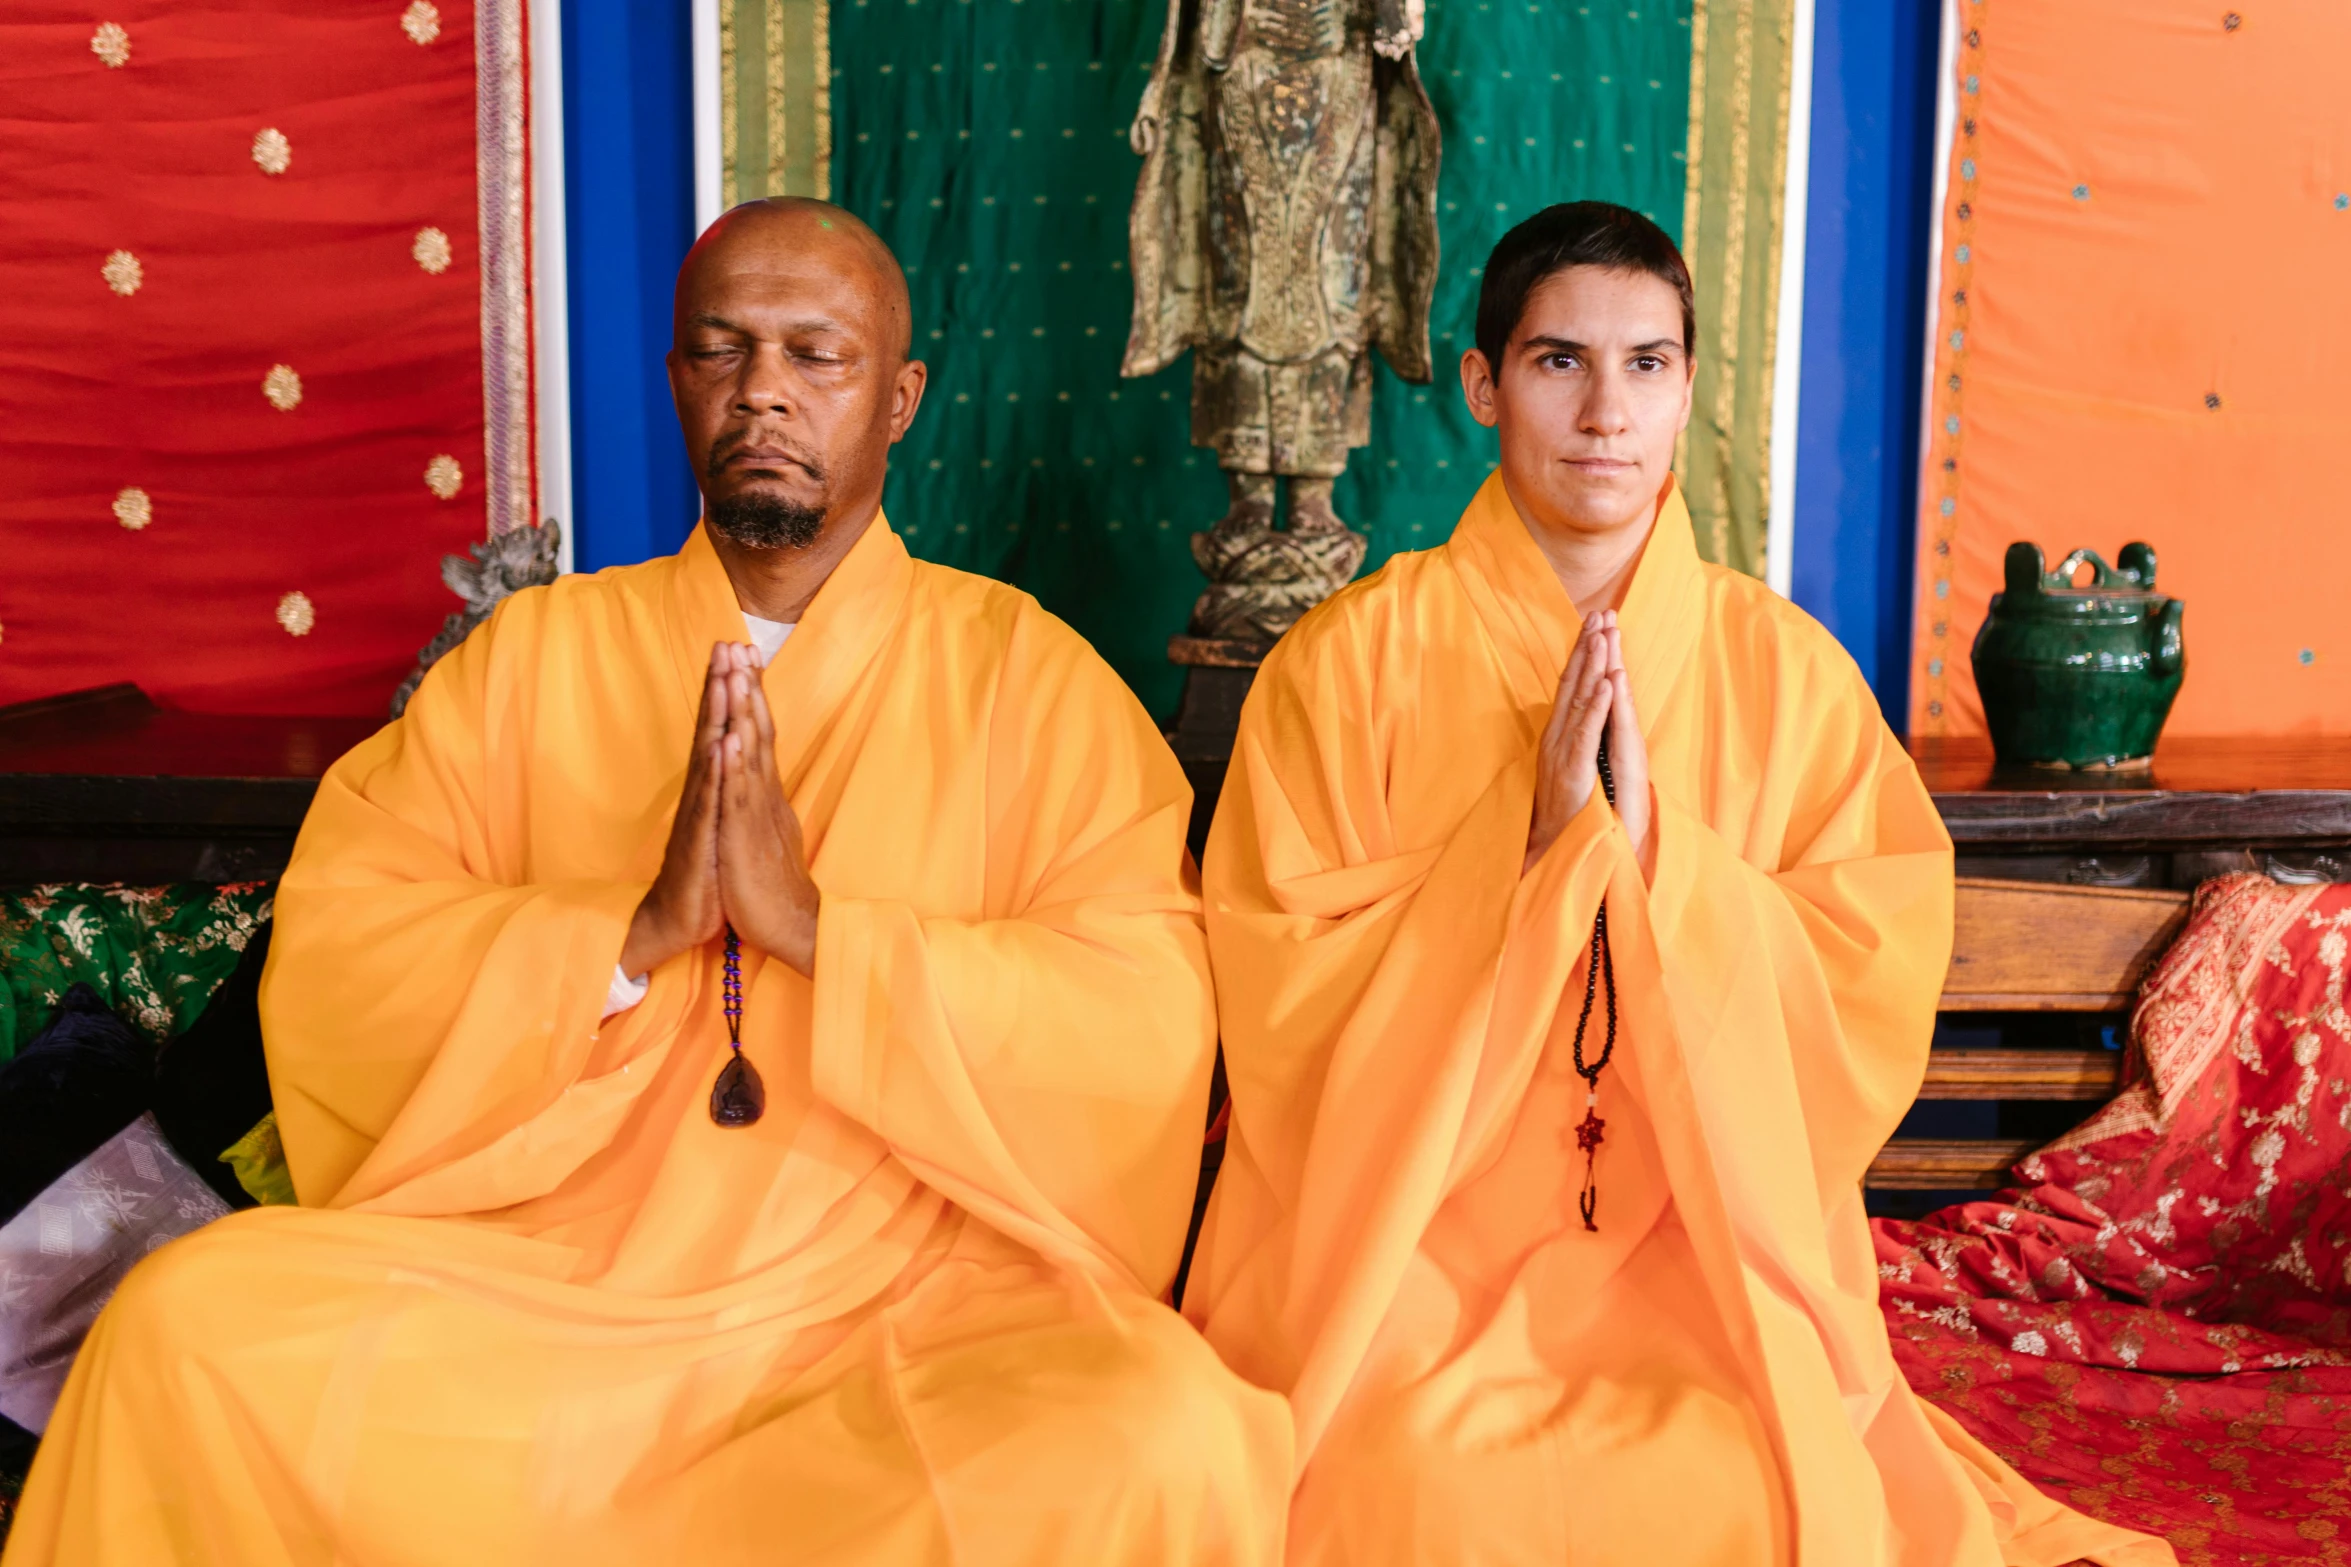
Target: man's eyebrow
<point x="718" y="323"/>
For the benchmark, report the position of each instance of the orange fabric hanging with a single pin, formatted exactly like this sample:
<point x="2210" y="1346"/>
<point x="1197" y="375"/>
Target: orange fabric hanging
<point x="1394" y="1239"/>
<point x="2141" y="334"/>
<point x="550" y="1312"/>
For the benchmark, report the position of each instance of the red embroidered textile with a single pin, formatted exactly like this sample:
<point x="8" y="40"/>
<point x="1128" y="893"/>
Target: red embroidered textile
<point x="264" y="272"/>
<point x="2156" y="1327"/>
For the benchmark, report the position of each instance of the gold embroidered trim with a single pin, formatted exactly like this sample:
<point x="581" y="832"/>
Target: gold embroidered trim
<point x="1733" y="212"/>
<point x="283" y="388"/>
<point x="444" y="477"/>
<point x="730" y="179"/>
<point x="271" y="151"/>
<point x="509" y="479"/>
<point x="431" y="250"/>
<point x="297" y="614"/>
<point x="777" y="162"/>
<point x="132" y="508"/>
<point x="111" y="44"/>
<point x="775" y="104"/>
<point x="123" y="273"/>
<point x="421" y="22"/>
<point x="821" y="100"/>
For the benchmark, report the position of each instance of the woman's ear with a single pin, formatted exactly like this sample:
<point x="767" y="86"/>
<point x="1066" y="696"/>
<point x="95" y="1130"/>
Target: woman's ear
<point x="1477" y="387"/>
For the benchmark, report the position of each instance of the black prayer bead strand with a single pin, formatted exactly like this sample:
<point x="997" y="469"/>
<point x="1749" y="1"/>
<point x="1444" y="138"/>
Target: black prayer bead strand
<point x="1599" y="975"/>
<point x="738" y="1098"/>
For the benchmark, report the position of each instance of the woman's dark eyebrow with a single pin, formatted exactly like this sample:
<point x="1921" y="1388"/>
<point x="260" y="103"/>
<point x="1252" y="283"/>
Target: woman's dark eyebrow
<point x="1563" y="345"/>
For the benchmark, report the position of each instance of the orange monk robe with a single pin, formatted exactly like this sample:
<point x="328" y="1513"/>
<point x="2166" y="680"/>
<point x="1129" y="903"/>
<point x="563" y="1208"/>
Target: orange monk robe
<point x="538" y="1307"/>
<point x="1394" y="1239"/>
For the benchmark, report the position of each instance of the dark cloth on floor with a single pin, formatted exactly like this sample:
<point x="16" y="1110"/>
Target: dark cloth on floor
<point x="16" y="1460"/>
<point x="212" y="1082"/>
<point x="74" y="1085"/>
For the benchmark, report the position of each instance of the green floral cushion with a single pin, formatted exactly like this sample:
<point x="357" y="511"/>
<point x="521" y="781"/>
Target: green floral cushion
<point x="155" y="954"/>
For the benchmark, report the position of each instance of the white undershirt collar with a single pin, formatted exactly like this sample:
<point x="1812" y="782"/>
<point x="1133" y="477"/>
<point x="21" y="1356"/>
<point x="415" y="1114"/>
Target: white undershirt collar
<point x="767" y="636"/>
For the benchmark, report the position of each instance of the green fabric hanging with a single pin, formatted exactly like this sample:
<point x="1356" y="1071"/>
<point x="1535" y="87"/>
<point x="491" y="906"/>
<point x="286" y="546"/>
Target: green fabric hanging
<point x="154" y="954"/>
<point x="987" y="141"/>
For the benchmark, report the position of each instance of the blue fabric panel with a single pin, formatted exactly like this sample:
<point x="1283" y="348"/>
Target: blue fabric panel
<point x="1872" y="194"/>
<point x="628" y="147"/>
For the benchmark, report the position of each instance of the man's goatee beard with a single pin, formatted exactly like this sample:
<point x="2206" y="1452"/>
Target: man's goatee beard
<point x="766" y="522"/>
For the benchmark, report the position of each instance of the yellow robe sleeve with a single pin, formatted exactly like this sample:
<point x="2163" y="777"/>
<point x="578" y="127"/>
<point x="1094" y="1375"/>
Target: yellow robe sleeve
<point x="1046" y="1069"/>
<point x="1849" y="930"/>
<point x="422" y="1000"/>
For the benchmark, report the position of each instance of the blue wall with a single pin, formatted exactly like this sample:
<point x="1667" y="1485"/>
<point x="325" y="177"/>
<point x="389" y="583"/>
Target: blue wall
<point x="1872" y="192"/>
<point x="628" y="142"/>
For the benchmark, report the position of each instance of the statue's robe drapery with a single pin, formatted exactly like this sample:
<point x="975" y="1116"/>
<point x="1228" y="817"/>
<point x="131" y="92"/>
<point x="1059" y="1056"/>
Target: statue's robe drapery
<point x="1394" y="1239"/>
<point x="1285" y="221"/>
<point x="540" y="1307"/>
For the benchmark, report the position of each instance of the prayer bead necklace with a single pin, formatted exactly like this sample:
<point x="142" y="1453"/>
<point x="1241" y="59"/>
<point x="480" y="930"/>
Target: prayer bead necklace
<point x="1599" y="970"/>
<point x="738" y="1097"/>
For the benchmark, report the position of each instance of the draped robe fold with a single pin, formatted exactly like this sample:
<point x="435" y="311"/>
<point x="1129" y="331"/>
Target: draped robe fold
<point x="1394" y="1240"/>
<point x="538" y="1306"/>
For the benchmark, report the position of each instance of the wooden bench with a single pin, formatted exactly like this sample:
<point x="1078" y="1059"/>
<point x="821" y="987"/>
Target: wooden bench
<point x="2029" y="947"/>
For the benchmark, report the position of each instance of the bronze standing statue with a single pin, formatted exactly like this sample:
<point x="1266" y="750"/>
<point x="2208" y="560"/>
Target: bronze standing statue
<point x="1284" y="226"/>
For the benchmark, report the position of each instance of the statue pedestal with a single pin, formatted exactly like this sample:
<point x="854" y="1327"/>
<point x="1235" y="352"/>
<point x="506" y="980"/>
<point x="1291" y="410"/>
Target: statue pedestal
<point x="1218" y="674"/>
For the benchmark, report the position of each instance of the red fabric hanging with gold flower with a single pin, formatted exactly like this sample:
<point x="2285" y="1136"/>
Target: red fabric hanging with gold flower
<point x="264" y="274"/>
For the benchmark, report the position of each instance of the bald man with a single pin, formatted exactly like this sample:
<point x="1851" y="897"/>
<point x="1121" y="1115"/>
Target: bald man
<point x="741" y="1041"/>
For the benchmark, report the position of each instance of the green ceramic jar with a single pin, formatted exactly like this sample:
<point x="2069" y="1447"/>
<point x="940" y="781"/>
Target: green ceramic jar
<point x="2079" y="677"/>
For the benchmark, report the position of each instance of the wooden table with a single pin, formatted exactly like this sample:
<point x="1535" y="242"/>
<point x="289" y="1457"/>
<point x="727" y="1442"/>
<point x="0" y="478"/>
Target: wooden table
<point x="2282" y="807"/>
<point x="103" y="785"/>
<point x="2003" y="1082"/>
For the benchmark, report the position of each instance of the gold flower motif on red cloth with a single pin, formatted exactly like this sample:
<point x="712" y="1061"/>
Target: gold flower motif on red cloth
<point x="297" y="614"/>
<point x="271" y="150"/>
<point x="111" y="44"/>
<point x="431" y="250"/>
<point x="133" y="509"/>
<point x="123" y="273"/>
<point x="444" y="477"/>
<point x="421" y="22"/>
<point x="283" y="388"/>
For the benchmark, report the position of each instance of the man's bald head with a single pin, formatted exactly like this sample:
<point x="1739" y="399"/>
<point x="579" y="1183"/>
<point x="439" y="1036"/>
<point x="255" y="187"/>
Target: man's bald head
<point x="791" y="371"/>
<point x="796" y="232"/>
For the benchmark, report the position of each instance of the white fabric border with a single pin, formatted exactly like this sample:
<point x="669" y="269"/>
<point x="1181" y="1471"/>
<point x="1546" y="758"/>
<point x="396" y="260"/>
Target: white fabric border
<point x="1787" y="371"/>
<point x="1946" y="127"/>
<point x="550" y="274"/>
<point x="709" y="137"/>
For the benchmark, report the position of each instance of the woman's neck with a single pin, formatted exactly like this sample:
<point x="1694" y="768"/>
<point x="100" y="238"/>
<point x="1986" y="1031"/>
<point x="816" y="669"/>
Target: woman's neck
<point x="1594" y="564"/>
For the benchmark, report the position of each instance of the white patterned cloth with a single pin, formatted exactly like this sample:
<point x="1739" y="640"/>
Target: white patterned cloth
<point x="62" y="1258"/>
